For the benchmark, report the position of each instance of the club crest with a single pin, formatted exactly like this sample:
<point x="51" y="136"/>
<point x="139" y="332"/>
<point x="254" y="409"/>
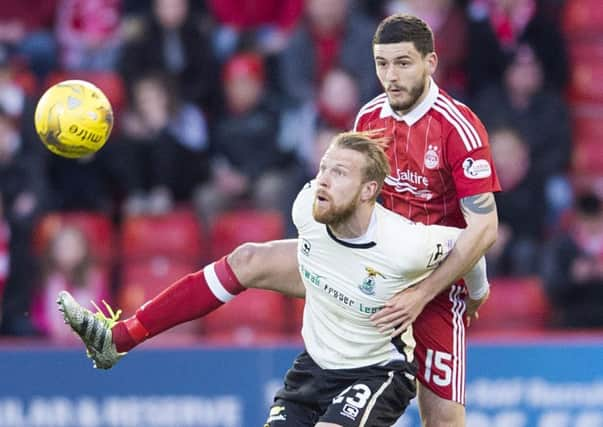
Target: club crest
<point x="368" y="284"/>
<point x="432" y="159"/>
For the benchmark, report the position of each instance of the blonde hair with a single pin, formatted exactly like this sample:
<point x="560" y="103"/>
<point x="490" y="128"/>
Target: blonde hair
<point x="377" y="163"/>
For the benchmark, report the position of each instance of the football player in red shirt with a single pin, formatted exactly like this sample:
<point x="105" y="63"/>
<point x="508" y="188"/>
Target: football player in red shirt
<point x="442" y="173"/>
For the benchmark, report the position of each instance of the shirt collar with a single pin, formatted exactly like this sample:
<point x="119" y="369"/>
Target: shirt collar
<point x="414" y="115"/>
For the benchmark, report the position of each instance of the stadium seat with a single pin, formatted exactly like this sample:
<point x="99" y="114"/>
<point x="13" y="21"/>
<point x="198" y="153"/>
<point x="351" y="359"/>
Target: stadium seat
<point x="586" y="84"/>
<point x="144" y="278"/>
<point x="587" y="125"/>
<point x="295" y="319"/>
<point x="583" y="18"/>
<point x="108" y="81"/>
<point x="588" y="158"/>
<point x="233" y="228"/>
<point x="26" y="80"/>
<point x="252" y="317"/>
<point x="96" y="226"/>
<point x="177" y="234"/>
<point x="515" y="305"/>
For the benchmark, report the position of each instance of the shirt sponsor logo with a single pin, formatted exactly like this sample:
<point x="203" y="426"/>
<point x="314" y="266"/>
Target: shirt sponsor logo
<point x="305" y="247"/>
<point x="350" y="411"/>
<point x="409" y="181"/>
<point x="432" y="160"/>
<point x="476" y="169"/>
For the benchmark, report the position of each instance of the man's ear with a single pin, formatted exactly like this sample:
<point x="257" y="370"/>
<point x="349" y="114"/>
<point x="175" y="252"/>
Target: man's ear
<point x="369" y="190"/>
<point x="432" y="62"/>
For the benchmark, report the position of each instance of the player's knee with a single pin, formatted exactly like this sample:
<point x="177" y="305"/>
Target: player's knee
<point x="247" y="262"/>
<point x="443" y="416"/>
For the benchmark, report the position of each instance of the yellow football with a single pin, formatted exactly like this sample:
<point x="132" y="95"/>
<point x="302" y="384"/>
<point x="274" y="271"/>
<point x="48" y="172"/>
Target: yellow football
<point x="74" y="118"/>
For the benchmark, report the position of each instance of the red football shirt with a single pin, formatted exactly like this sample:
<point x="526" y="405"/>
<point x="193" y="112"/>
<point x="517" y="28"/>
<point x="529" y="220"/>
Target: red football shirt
<point x="438" y="154"/>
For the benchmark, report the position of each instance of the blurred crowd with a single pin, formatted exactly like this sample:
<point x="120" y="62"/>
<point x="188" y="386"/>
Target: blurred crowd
<point x="223" y="109"/>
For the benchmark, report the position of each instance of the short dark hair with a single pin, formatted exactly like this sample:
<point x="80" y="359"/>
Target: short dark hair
<point x="401" y="28"/>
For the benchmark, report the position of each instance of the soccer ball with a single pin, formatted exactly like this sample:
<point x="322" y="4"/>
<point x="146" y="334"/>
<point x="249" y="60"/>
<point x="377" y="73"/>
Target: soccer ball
<point x="73" y="118"/>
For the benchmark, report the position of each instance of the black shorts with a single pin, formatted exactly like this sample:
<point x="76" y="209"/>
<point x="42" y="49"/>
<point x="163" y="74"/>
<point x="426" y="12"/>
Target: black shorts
<point x="371" y="396"/>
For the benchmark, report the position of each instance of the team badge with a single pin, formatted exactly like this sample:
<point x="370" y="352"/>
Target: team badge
<point x="432" y="159"/>
<point x="368" y="284"/>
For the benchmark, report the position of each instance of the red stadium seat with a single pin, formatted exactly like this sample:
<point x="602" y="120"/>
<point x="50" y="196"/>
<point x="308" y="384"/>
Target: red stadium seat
<point x="142" y="279"/>
<point x="96" y="226"/>
<point x="586" y="85"/>
<point x="588" y="158"/>
<point x="295" y="319"/>
<point x="175" y="234"/>
<point x="587" y="125"/>
<point x="583" y="18"/>
<point x="27" y="81"/>
<point x="108" y="81"/>
<point x="233" y="228"/>
<point x="515" y="304"/>
<point x="255" y="315"/>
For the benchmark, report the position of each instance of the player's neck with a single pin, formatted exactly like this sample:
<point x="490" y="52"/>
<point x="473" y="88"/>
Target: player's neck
<point x="356" y="225"/>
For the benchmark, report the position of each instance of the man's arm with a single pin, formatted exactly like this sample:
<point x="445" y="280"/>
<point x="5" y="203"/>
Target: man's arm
<point x="482" y="223"/>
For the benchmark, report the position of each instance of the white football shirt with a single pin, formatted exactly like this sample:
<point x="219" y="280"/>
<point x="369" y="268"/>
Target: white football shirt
<point x="347" y="281"/>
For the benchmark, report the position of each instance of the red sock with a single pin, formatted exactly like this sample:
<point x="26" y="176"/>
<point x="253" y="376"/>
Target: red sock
<point x="191" y="297"/>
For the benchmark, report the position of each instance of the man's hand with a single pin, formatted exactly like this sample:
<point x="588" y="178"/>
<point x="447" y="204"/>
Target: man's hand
<point x="473" y="306"/>
<point x="400" y="311"/>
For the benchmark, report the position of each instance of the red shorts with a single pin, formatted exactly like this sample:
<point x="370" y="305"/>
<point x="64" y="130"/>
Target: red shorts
<point x="440" y="335"/>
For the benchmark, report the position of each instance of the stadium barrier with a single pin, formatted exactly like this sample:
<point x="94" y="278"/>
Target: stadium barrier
<point x="555" y="382"/>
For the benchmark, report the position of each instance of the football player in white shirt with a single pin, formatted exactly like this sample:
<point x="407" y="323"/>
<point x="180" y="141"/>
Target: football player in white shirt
<point x="353" y="256"/>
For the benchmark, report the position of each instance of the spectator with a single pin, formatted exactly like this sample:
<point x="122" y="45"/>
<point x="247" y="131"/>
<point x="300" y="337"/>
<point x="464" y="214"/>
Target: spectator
<point x="165" y="142"/>
<point x="449" y="24"/>
<point x="541" y="117"/>
<point x="573" y="267"/>
<point x="249" y="165"/>
<point x="26" y="33"/>
<point x="267" y="22"/>
<point x="22" y="193"/>
<point x="66" y="264"/>
<point x="4" y="256"/>
<point x="88" y="33"/>
<point x="521" y="207"/>
<point x="93" y="183"/>
<point x="498" y="27"/>
<point x="12" y="95"/>
<point x="331" y="35"/>
<point x="335" y="107"/>
<point x="171" y="40"/>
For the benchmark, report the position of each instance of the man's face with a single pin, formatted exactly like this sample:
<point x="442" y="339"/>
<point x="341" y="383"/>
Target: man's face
<point x="403" y="73"/>
<point x="340" y="180"/>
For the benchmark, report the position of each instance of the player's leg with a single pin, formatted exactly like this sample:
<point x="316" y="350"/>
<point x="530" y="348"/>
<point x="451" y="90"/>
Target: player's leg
<point x="440" y="336"/>
<point x="271" y="265"/>
<point x="437" y="411"/>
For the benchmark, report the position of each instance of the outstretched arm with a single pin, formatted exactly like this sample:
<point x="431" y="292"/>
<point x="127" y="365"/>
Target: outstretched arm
<point x="482" y="223"/>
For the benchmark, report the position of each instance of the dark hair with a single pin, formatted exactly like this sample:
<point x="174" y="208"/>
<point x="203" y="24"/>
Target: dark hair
<point x="401" y="28"/>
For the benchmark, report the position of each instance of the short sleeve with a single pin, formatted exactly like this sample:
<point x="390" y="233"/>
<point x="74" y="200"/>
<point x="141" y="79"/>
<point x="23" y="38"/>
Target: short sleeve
<point x="469" y="156"/>
<point x="301" y="212"/>
<point x="427" y="247"/>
